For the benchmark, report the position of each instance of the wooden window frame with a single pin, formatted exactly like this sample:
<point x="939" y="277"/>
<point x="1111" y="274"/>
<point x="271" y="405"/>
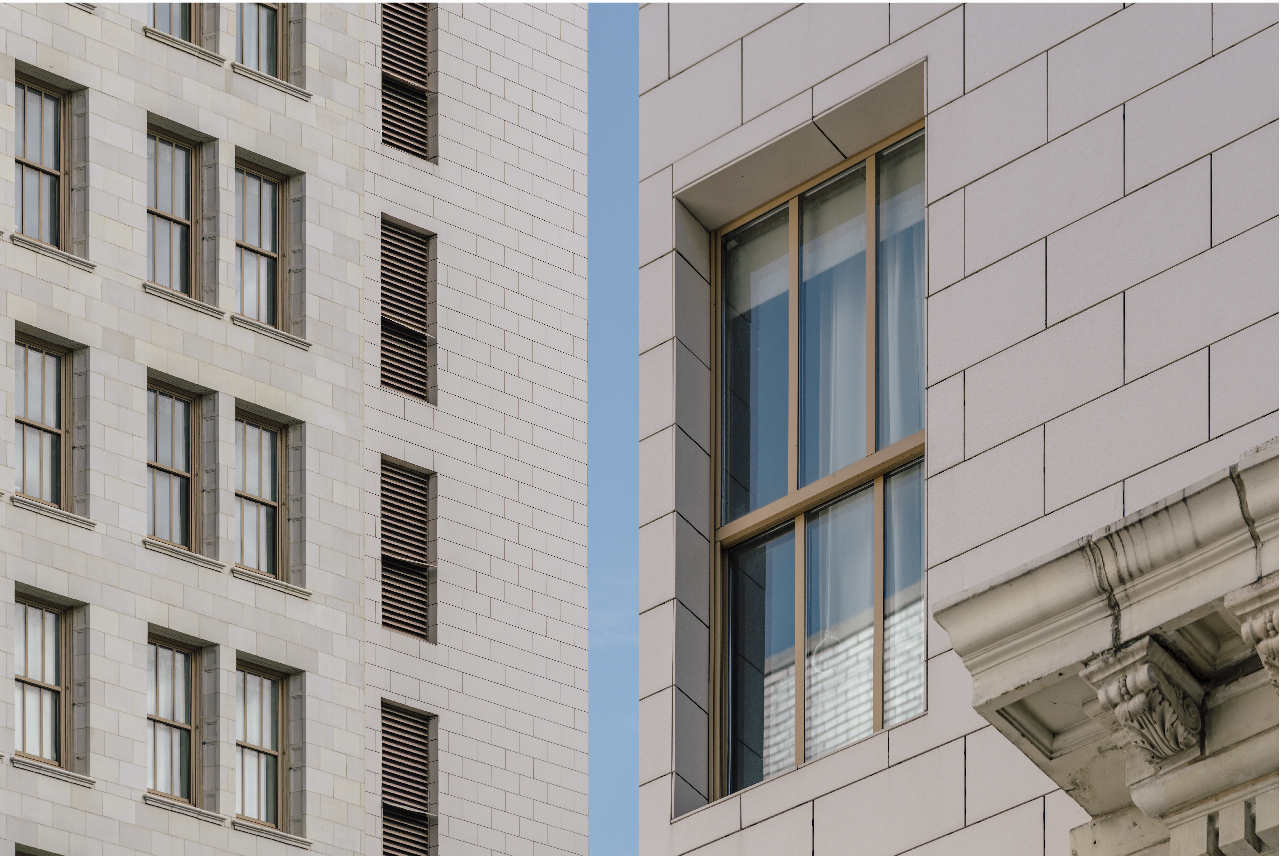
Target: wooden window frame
<point x="282" y="38"/>
<point x="64" y="433"/>
<point x="282" y="239"/>
<point x="65" y="750"/>
<point x="193" y="459"/>
<point x="791" y="509"/>
<point x="194" y="15"/>
<point x="281" y="753"/>
<point x="280" y="504"/>
<point x="194" y="764"/>
<point x="63" y="173"/>
<point x="192" y="224"/>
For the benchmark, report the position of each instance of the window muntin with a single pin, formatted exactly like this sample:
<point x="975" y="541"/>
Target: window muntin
<point x="169" y="466"/>
<point x="170" y="705"/>
<point x="170" y="172"/>
<point x="844" y="522"/>
<point x="39" y="696"/>
<point x="259" y="37"/>
<point x="259" y="731"/>
<point x="172" y="18"/>
<point x="39" y="436"/>
<point x="258" y="228"/>
<point x="38" y="162"/>
<point x="257" y="495"/>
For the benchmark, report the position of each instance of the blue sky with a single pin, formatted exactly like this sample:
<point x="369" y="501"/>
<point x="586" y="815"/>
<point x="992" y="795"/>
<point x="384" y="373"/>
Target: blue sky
<point x="613" y="417"/>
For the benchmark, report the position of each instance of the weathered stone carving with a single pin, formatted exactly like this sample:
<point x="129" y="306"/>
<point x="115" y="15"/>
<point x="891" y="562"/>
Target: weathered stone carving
<point x="1255" y="606"/>
<point x="1158" y="716"/>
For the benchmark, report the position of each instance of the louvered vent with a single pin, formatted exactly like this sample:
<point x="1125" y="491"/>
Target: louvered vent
<point x="404" y="56"/>
<point x="404" y="309"/>
<point x="406" y="797"/>
<point x="406" y="597"/>
<point x="407" y="588"/>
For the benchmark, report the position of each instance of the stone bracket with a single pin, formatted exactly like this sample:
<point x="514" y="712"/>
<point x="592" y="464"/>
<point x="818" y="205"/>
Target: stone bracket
<point x="1255" y="606"/>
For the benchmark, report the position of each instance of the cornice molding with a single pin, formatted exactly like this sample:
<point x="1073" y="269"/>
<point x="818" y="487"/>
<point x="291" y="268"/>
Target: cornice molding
<point x="1256" y="608"/>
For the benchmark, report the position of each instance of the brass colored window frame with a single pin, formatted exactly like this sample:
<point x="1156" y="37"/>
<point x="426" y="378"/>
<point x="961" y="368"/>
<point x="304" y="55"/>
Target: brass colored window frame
<point x="193" y="15"/>
<point x="193" y="460"/>
<point x="282" y="540"/>
<point x="64" y="433"/>
<point x="63" y="688"/>
<point x="193" y="705"/>
<point x="282" y="39"/>
<point x="63" y="173"/>
<point x="193" y="205"/>
<point x="873" y="469"/>
<point x="282" y="237"/>
<point x="281" y="753"/>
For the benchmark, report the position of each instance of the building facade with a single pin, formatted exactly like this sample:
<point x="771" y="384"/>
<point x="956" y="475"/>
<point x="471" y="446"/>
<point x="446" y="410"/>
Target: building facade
<point x="294" y="511"/>
<point x="958" y="332"/>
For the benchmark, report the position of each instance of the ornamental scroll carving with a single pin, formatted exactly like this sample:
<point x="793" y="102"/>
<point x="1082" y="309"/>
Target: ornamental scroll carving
<point x="1159" y="718"/>
<point x="1260" y="631"/>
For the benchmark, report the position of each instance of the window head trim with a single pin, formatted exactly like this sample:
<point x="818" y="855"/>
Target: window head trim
<point x="63" y="687"/>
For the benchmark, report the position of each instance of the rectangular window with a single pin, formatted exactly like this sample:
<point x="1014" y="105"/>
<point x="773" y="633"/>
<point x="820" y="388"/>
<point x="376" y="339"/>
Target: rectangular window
<point x="406" y="782"/>
<point x="407" y="575"/>
<point x="39" y="162"/>
<point x="258" y="493"/>
<point x="259" y="741"/>
<point x="40" y="658"/>
<point x="170" y="198"/>
<point x="40" y="437"/>
<point x="260" y="39"/>
<point x="176" y="19"/>
<point x="171" y="702"/>
<point x="406" y="265"/>
<point x="259" y="227"/>
<point x="405" y="73"/>
<point x="170" y="467"/>
<point x="820" y="480"/>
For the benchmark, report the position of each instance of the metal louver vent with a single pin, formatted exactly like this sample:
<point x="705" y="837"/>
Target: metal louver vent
<point x="406" y="597"/>
<point x="404" y="514"/>
<point x="405" y="117"/>
<point x="404" y="309"/>
<point x="405" y="797"/>
<point x="404" y="60"/>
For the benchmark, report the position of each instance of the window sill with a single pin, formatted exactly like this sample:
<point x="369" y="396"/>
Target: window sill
<point x="254" y="74"/>
<point x="182" y="299"/>
<point x="50" y="511"/>
<point x="176" y="805"/>
<point x="53" y="772"/>
<point x="183" y="45"/>
<point x="51" y="251"/>
<point x="268" y="330"/>
<point x="269" y="832"/>
<point x="179" y="553"/>
<point x="84" y="7"/>
<point x="270" y="582"/>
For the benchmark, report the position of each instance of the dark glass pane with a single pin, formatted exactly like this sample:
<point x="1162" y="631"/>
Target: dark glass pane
<point x="904" y="676"/>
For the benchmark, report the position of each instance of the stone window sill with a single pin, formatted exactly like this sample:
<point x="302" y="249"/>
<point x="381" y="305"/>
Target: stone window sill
<point x="175" y="805"/>
<point x="85" y="7"/>
<point x="183" y="45"/>
<point x="270" y="582"/>
<point x="182" y="299"/>
<point x="270" y="832"/>
<point x="51" y="251"/>
<point x="255" y="74"/>
<point x="179" y="553"/>
<point x="54" y="772"/>
<point x="268" y="330"/>
<point x="50" y="511"/>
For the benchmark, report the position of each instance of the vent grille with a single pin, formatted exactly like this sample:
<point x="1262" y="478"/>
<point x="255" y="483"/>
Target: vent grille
<point x="406" y="597"/>
<point x="405" y="344"/>
<point x="406" y="796"/>
<point x="405" y="41"/>
<point x="404" y="514"/>
<point x="405" y="118"/>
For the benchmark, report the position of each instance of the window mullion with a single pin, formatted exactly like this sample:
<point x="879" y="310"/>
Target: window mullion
<point x="870" y="221"/>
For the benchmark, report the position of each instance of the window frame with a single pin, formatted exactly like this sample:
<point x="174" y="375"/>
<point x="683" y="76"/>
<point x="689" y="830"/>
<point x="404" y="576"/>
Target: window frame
<point x="64" y="432"/>
<point x="791" y="509"/>
<point x="194" y="191"/>
<point x="65" y="654"/>
<point x="282" y="39"/>
<point x="280" y="503"/>
<point x="193" y="458"/>
<point x="282" y="190"/>
<point x="194" y="16"/>
<point x="63" y="173"/>
<point x="193" y="705"/>
<point x="282" y="740"/>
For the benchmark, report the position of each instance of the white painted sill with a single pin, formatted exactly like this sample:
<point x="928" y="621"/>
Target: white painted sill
<point x="270" y="832"/>
<point x="179" y="553"/>
<point x="50" y="511"/>
<point x="180" y="807"/>
<point x="270" y="582"/>
<point x="255" y="74"/>
<point x="53" y="772"/>
<point x="51" y="251"/>
<point x="182" y="299"/>
<point x="268" y="330"/>
<point x="183" y="45"/>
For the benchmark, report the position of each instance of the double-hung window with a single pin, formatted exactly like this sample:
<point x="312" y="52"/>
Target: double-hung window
<point x="170" y="174"/>
<point x="405" y="101"/>
<point x="40" y="180"/>
<point x="171" y="702"/>
<point x="176" y="19"/>
<point x="40" y="672"/>
<point x="258" y="238"/>
<point x="40" y="436"/>
<point x="170" y="467"/>
<point x="258" y="493"/>
<point x="259" y="742"/>
<point x="819" y="545"/>
<point x="260" y="38"/>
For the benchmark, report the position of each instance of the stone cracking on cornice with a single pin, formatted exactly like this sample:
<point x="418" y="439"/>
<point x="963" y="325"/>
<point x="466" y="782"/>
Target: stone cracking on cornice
<point x="1235" y="472"/>
<point x="1101" y="581"/>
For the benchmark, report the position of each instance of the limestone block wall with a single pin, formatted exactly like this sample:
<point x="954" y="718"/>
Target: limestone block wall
<point x="1101" y="332"/>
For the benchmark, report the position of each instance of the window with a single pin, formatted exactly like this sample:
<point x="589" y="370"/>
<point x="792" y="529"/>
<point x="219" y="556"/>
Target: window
<point x="819" y="479"/>
<point x="176" y="19"/>
<point x="258" y="490"/>
<point x="170" y="468"/>
<point x="260" y="39"/>
<point x="171" y="704"/>
<point x="408" y="585"/>
<point x="406" y="266"/>
<point x="259" y="737"/>
<point x="40" y="439"/>
<point x="407" y="775"/>
<point x="259" y="224"/>
<point x="406" y="105"/>
<point x="40" y="696"/>
<point x="38" y="163"/>
<point x="170" y="200"/>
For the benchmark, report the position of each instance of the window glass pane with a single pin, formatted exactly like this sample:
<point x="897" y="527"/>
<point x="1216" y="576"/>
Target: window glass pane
<point x="267" y="286"/>
<point x="153" y="676"/>
<point x="48" y="208"/>
<point x="151" y="754"/>
<point x="182" y="435"/>
<point x="182" y="12"/>
<point x="253" y="709"/>
<point x="182" y="763"/>
<point x="182" y="687"/>
<point x="152" y="410"/>
<point x="833" y="327"/>
<point x="240" y="206"/>
<point x="164" y="176"/>
<point x="249" y="536"/>
<point x="52" y="654"/>
<point x="166" y="683"/>
<point x="270" y="713"/>
<point x="49" y="472"/>
<point x="754" y="367"/>
<point x="181" y="514"/>
<point x="33" y="125"/>
<point x="164" y="423"/>
<point x="268" y="31"/>
<point x="900" y="292"/>
<point x="31" y="202"/>
<point x="20" y="717"/>
<point x="253" y="211"/>
<point x="162" y="505"/>
<point x="267" y="563"/>
<point x="904" y="676"/>
<point x="49" y="724"/>
<point x="31" y="464"/>
<point x="240" y="455"/>
<point x="762" y="678"/>
<point x="249" y="284"/>
<point x="20" y="121"/>
<point x="52" y="402"/>
<point x="151" y="171"/>
<point x="35" y="636"/>
<point x="269" y="464"/>
<point x="268" y="810"/>
<point x="31" y="713"/>
<point x="839" y="587"/>
<point x="270" y="191"/>
<point x="162" y="16"/>
<point x="182" y="182"/>
<point x="20" y="374"/>
<point x="19" y="469"/>
<point x="52" y="131"/>
<point x="247" y="45"/>
<point x="240" y="705"/>
<point x="152" y="224"/>
<point x="20" y="640"/>
<point x="181" y="256"/>
<point x="164" y="759"/>
<point x="253" y="449"/>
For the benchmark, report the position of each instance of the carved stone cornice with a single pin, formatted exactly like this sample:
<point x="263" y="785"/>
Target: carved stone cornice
<point x="1255" y="606"/>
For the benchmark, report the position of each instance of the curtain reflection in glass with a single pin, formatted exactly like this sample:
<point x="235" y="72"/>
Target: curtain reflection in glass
<point x="762" y="590"/>
<point x="904" y="665"/>
<point x="754" y="367"/>
<point x="833" y="326"/>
